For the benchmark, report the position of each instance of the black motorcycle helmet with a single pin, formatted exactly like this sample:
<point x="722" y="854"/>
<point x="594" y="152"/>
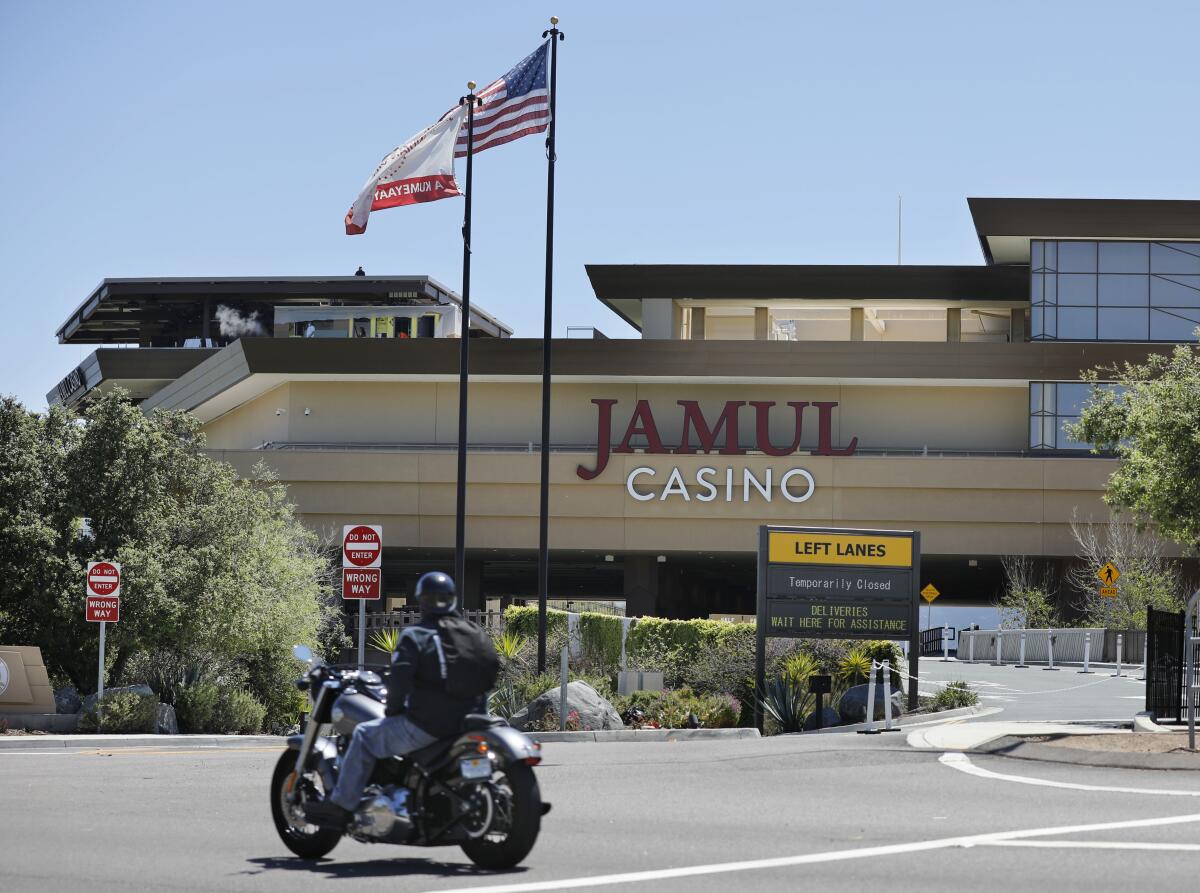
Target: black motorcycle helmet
<point x="436" y="594"/>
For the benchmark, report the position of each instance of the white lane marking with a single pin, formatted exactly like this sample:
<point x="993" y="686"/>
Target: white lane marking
<point x="633" y="877"/>
<point x="1095" y="845"/>
<point x="962" y="763"/>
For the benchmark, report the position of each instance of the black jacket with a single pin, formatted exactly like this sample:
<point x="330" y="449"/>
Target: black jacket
<point x="416" y="685"/>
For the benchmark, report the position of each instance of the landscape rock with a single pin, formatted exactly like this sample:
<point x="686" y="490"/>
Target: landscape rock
<point x="829" y="717"/>
<point x="165" y="722"/>
<point x="67" y="700"/>
<point x="853" y="706"/>
<point x="90" y="701"/>
<point x="595" y="713"/>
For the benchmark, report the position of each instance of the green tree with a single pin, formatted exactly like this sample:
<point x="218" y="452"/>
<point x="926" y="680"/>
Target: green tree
<point x="1152" y="423"/>
<point x="217" y="570"/>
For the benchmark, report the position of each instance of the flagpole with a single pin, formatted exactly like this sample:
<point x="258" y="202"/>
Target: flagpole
<point x="544" y="508"/>
<point x="460" y="517"/>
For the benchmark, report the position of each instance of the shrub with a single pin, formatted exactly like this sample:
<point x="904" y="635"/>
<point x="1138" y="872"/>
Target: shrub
<point x="196" y="705"/>
<point x="954" y="695"/>
<point x="208" y="707"/>
<point x="670" y="709"/>
<point x="854" y="668"/>
<point x="122" y="713"/>
<point x="787" y="703"/>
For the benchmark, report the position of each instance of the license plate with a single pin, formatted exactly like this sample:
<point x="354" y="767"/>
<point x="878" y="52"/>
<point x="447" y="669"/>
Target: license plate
<point x="477" y="767"/>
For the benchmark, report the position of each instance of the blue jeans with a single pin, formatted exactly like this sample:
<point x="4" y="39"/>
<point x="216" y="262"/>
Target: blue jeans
<point x="372" y="741"/>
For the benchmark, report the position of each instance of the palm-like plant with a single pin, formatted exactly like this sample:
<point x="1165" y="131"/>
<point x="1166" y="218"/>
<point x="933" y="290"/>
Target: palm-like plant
<point x="854" y="668"/>
<point x="385" y="640"/>
<point x="509" y="645"/>
<point x="786" y="702"/>
<point x="799" y="666"/>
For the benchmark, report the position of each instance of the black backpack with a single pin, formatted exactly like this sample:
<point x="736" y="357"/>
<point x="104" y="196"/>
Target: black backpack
<point x="471" y="664"/>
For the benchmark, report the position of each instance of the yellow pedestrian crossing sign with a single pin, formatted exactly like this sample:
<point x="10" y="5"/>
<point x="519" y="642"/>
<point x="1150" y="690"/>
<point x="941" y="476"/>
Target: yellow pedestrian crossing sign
<point x="1109" y="592"/>
<point x="929" y="593"/>
<point x="1108" y="574"/>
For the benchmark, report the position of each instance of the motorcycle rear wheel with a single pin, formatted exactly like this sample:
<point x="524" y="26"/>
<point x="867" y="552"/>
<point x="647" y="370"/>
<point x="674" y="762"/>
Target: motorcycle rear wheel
<point x="506" y="848"/>
<point x="305" y="840"/>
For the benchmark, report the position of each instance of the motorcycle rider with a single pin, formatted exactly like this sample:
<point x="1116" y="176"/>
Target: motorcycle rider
<point x="419" y="710"/>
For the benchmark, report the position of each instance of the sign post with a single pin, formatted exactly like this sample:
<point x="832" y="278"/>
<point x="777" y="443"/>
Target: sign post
<point x="362" y="577"/>
<point x="829" y="583"/>
<point x="102" y="605"/>
<point x="929" y="593"/>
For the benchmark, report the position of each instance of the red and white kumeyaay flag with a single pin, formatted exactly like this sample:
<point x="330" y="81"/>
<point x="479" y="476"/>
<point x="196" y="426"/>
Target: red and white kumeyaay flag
<point x="421" y="170"/>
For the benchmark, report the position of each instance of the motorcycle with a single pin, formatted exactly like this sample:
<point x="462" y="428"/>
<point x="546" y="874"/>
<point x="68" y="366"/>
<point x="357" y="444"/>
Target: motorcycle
<point x="476" y="790"/>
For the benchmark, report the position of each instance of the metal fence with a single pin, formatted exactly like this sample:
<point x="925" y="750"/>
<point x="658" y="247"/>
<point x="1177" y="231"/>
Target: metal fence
<point x="1068" y="645"/>
<point x="491" y="620"/>
<point x="1164" y="664"/>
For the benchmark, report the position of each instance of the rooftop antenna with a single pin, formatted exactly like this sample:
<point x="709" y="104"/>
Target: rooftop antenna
<point x="899" y="228"/>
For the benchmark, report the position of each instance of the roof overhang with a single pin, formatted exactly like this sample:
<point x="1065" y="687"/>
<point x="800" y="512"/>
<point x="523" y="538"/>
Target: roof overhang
<point x="117" y="310"/>
<point x="1005" y="226"/>
<point x="623" y="287"/>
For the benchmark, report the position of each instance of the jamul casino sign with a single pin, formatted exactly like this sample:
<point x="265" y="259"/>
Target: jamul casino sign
<point x="794" y="485"/>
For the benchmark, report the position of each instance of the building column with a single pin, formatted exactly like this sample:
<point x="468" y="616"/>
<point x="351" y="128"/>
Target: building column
<point x="954" y="324"/>
<point x="640" y="585"/>
<point x="697" y="323"/>
<point x="856" y="324"/>
<point x="1017" y="332"/>
<point x="762" y="324"/>
<point x="471" y="589"/>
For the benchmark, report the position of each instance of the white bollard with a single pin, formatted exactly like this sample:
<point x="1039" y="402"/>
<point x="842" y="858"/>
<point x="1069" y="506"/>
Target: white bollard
<point x="1021" y="660"/>
<point x="1087" y="652"/>
<point x="870" y="729"/>
<point x="945" y="642"/>
<point x="1050" y="652"/>
<point x="971" y="649"/>
<point x="1120" y="644"/>
<point x="887" y="697"/>
<point x="562" y="693"/>
<point x="999" y="649"/>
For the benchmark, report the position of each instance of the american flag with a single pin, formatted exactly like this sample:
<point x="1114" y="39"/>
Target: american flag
<point x="514" y="106"/>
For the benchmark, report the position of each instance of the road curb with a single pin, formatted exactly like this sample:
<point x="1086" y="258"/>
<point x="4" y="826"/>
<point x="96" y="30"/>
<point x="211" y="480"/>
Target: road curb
<point x="907" y="721"/>
<point x="626" y="735"/>
<point x="108" y="742"/>
<point x="1018" y="748"/>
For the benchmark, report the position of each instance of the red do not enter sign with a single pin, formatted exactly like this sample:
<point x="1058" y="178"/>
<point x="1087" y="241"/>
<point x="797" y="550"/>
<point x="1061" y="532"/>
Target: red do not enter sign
<point x="362" y="545"/>
<point x="103" y="578"/>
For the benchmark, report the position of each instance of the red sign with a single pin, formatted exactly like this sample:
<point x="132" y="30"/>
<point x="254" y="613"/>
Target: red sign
<point x="106" y="608"/>
<point x="362" y="545"/>
<point x="362" y="583"/>
<point x="104" y="578"/>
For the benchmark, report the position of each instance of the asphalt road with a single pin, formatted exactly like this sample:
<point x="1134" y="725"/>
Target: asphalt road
<point x="1035" y="694"/>
<point x="697" y="815"/>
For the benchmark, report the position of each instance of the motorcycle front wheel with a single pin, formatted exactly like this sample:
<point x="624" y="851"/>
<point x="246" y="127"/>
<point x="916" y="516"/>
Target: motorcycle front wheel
<point x="516" y="820"/>
<point x="305" y="840"/>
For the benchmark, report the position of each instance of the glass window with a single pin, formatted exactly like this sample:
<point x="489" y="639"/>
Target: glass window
<point x="1072" y="395"/>
<point x="1077" y="289"/>
<point x="1076" y="324"/>
<point x="1123" y="324"/>
<point x="1035" y="288"/>
<point x="1077" y="257"/>
<point x="1063" y="440"/>
<point x="1051" y="258"/>
<point x="1036" y="255"/>
<point x="1124" y="257"/>
<point x="1047" y="429"/>
<point x="1175" y="257"/>
<point x="1050" y="290"/>
<point x="1118" y="290"/>
<point x="1173" y="326"/>
<point x="1176" y="291"/>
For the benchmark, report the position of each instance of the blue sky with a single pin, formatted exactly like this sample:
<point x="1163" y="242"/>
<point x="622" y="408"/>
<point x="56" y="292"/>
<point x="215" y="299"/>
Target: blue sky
<point x="219" y="139"/>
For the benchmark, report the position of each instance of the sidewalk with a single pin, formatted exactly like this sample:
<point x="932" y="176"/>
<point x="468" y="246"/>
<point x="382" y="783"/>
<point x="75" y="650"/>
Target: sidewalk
<point x="149" y="742"/>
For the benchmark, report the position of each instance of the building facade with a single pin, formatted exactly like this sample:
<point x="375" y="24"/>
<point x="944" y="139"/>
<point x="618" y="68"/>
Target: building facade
<point x="933" y="398"/>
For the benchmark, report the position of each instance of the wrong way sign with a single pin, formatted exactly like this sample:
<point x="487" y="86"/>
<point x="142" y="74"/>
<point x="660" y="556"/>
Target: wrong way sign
<point x="362" y="583"/>
<point x="103" y="591"/>
<point x="362" y="545"/>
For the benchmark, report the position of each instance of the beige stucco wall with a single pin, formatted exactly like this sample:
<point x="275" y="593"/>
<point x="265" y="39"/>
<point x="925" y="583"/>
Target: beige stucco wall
<point x="962" y="506"/>
<point x="508" y="413"/>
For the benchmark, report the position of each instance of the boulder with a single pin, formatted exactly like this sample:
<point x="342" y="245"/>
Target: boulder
<point x="595" y="713"/>
<point x="90" y="701"/>
<point x="67" y="700"/>
<point x="853" y="705"/>
<point x="829" y="718"/>
<point x="165" y="722"/>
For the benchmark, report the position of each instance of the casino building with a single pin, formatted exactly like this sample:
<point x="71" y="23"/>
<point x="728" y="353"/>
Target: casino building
<point x="931" y="398"/>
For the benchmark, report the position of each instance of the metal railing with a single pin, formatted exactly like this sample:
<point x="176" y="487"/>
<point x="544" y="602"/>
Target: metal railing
<point x="491" y="620"/>
<point x="931" y="640"/>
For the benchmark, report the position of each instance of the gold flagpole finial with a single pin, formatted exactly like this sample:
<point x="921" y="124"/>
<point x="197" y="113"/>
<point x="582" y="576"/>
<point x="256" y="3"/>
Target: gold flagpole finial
<point x="553" y="20"/>
<point x="471" y="86"/>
